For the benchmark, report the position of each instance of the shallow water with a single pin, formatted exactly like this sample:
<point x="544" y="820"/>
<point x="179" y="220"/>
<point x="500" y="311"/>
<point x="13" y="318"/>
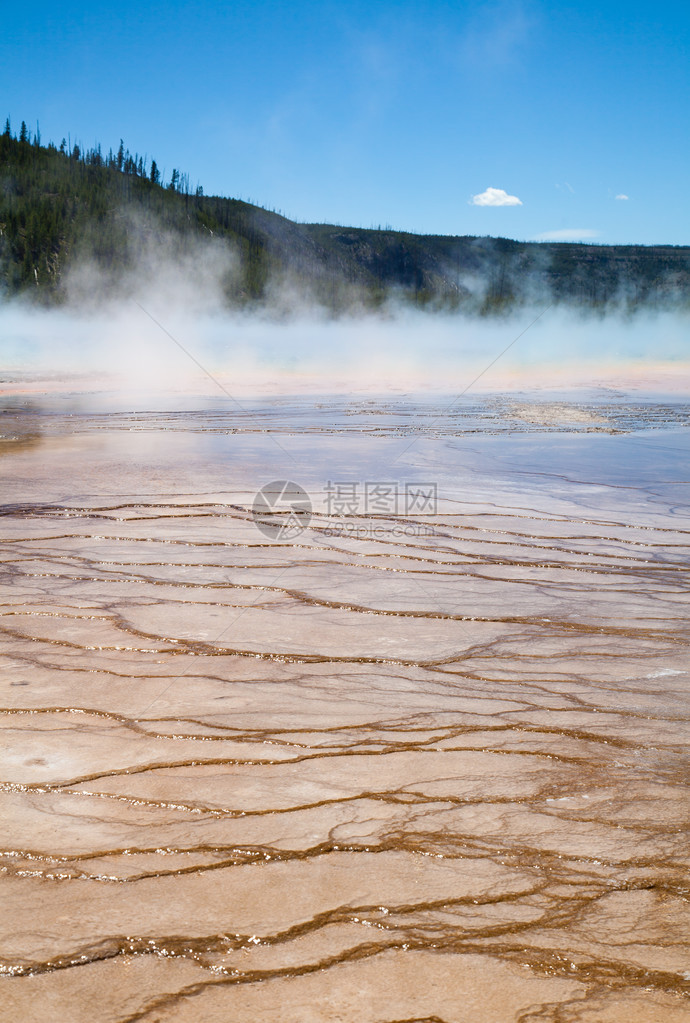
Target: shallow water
<point x="401" y="766"/>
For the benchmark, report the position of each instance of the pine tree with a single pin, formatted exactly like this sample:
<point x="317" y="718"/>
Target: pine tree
<point x="23" y="133"/>
<point x="155" y="173"/>
<point x="121" y="155"/>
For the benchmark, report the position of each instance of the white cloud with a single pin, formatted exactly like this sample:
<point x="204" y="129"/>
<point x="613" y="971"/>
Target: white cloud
<point x="566" y="234"/>
<point x="622" y="196"/>
<point x="495" y="197"/>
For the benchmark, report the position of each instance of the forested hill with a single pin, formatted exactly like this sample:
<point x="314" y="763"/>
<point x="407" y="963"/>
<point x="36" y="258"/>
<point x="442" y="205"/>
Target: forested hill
<point x="61" y="207"/>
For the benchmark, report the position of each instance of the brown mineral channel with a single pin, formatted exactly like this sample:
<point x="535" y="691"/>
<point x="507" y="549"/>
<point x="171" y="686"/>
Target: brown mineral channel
<point x="384" y="776"/>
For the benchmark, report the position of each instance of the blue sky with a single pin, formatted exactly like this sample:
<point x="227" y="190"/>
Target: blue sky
<point x="392" y="113"/>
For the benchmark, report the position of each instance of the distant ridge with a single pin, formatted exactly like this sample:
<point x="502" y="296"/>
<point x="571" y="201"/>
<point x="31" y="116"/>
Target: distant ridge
<point x="62" y="207"/>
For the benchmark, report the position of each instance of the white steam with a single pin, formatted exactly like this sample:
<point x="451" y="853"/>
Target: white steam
<point x="165" y="328"/>
<point x="122" y="349"/>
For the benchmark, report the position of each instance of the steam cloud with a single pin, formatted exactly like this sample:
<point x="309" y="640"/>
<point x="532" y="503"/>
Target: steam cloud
<point x="164" y="328"/>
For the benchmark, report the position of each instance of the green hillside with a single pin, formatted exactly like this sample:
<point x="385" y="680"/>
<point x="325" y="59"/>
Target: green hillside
<point x="62" y="206"/>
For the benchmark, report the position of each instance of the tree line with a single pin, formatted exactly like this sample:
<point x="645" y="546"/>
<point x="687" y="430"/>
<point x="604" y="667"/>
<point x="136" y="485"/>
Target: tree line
<point x="62" y="204"/>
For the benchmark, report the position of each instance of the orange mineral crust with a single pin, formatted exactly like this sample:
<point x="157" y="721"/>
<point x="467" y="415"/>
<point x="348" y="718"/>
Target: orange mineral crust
<point x="392" y="764"/>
